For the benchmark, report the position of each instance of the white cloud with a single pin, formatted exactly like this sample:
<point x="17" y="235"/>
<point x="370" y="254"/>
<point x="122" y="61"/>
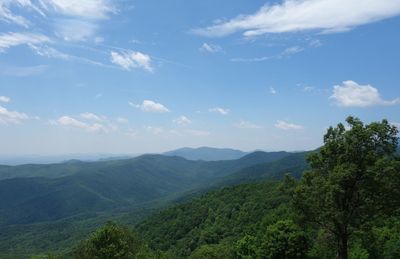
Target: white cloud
<point x="308" y="88"/>
<point x="49" y="52"/>
<point x="182" y="120"/>
<point x="9" y="17"/>
<point x="211" y="48"/>
<point x="248" y="125"/>
<point x="11" y="117"/>
<point x="305" y="15"/>
<point x="132" y="59"/>
<point x="5" y="99"/>
<point x="287" y="126"/>
<point x="76" y="30"/>
<point x="82" y="9"/>
<point x="285" y="53"/>
<point x="122" y="120"/>
<point x="272" y="90"/>
<point x="292" y="50"/>
<point x="315" y="43"/>
<point x="89" y="9"/>
<point x="351" y="94"/>
<point x="92" y="117"/>
<point x="12" y="39"/>
<point x="150" y="106"/>
<point x="68" y="121"/>
<point x="219" y="110"/>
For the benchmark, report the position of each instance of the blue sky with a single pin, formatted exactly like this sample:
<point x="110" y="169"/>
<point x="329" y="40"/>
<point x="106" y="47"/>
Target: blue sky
<point x="122" y="77"/>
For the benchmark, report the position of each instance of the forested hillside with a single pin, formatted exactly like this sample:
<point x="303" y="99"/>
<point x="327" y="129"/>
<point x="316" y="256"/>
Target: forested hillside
<point x="346" y="205"/>
<point x="45" y="200"/>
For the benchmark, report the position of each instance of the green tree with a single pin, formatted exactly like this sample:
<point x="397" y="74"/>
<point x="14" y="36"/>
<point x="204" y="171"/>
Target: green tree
<point x="283" y="240"/>
<point x="219" y="251"/>
<point x="247" y="247"/>
<point x="110" y="241"/>
<point x="353" y="178"/>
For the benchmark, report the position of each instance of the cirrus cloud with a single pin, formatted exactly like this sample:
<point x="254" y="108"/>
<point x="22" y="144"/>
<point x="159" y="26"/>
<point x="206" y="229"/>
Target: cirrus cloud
<point x="306" y="15"/>
<point x="219" y="110"/>
<point x="283" y="125"/>
<point x="13" y="39"/>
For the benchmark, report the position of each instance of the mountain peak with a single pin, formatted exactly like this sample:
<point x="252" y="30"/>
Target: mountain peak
<point x="207" y="153"/>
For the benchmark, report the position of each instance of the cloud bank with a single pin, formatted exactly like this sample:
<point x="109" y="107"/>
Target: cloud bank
<point x="305" y="15"/>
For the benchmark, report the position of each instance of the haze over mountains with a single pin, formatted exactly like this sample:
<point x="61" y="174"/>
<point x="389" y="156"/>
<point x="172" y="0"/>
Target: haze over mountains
<point x="207" y="153"/>
<point x="200" y="153"/>
<point x="50" y="193"/>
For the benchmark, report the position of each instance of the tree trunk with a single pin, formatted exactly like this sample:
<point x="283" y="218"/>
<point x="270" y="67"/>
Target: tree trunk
<point x="342" y="247"/>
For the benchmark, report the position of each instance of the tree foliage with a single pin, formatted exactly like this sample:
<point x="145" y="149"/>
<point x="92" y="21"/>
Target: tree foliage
<point x="354" y="178"/>
<point x="110" y="241"/>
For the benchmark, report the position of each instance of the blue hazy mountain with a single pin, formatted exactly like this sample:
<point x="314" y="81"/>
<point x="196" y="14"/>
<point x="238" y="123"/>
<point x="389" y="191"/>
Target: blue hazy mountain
<point x="207" y="153"/>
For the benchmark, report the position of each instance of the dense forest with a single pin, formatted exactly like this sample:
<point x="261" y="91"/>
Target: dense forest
<point x="346" y="204"/>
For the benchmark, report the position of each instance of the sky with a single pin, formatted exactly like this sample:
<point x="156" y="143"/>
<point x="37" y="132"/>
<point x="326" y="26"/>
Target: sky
<point x="140" y="76"/>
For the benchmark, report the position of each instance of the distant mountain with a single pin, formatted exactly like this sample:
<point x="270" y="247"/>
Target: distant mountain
<point x="42" y="195"/>
<point x="35" y="193"/>
<point x="207" y="153"/>
<point x="294" y="164"/>
<point x="51" y="159"/>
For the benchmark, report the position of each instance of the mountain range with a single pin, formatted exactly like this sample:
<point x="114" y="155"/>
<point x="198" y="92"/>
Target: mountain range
<point x="76" y="191"/>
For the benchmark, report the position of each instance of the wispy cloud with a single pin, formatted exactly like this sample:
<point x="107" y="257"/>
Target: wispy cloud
<point x="122" y="120"/>
<point x="71" y="122"/>
<point x="182" y="120"/>
<point x="219" y="110"/>
<point x="49" y="52"/>
<point x="272" y="91"/>
<point x="351" y="94"/>
<point x="294" y="16"/>
<point x="150" y="106"/>
<point x="80" y="9"/>
<point x="292" y="50"/>
<point x="7" y="70"/>
<point x="4" y="99"/>
<point x="93" y="117"/>
<point x="283" y="54"/>
<point x="248" y="125"/>
<point x="315" y="43"/>
<point x="12" y="39"/>
<point x="210" y="48"/>
<point x="132" y="59"/>
<point x="8" y="16"/>
<point x="76" y="30"/>
<point x="89" y="9"/>
<point x="283" y="125"/>
<point x="11" y="117"/>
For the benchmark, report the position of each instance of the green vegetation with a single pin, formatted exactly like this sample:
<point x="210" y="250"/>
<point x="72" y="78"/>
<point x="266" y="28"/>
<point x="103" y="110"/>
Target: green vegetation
<point x="353" y="178"/>
<point x="345" y="205"/>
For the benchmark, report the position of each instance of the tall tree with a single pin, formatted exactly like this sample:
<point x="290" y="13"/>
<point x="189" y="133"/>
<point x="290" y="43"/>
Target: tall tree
<point x="353" y="178"/>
